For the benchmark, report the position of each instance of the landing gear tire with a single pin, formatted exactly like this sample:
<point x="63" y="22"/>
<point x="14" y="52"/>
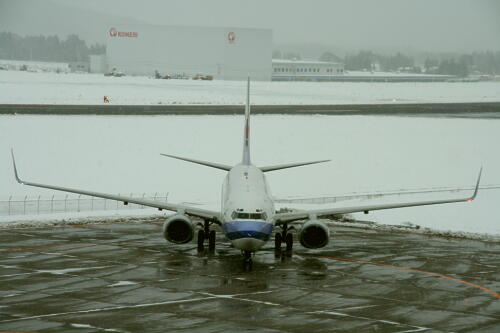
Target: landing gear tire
<point x="201" y="240"/>
<point x="277" y="241"/>
<point x="289" y="242"/>
<point x="211" y="241"/>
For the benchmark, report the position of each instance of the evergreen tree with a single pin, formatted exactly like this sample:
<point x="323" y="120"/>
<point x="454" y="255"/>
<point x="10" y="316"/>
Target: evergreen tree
<point x="50" y="48"/>
<point x="329" y="57"/>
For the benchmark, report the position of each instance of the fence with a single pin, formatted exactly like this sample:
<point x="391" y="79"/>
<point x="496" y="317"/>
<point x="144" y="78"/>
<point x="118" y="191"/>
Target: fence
<point x="43" y="205"/>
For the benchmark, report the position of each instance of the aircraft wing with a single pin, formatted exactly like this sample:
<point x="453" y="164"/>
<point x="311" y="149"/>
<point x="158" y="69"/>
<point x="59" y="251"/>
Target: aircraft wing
<point x="300" y="215"/>
<point x="203" y="213"/>
<point x="373" y="195"/>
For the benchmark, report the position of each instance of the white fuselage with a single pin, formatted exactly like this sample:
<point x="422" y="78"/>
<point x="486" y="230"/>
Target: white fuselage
<point x="247" y="208"/>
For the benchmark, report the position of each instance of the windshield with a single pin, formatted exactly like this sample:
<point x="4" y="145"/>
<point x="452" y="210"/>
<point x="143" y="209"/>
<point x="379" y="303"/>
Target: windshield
<point x="249" y="216"/>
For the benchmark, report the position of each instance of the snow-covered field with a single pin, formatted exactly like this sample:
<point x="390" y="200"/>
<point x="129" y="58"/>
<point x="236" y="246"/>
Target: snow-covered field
<point x="120" y="154"/>
<point x="50" y="88"/>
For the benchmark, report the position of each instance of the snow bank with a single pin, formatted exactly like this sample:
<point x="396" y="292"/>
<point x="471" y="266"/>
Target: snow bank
<point x="66" y="219"/>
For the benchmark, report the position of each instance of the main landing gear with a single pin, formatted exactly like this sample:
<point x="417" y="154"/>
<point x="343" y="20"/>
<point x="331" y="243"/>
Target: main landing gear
<point x="206" y="234"/>
<point x="284" y="237"/>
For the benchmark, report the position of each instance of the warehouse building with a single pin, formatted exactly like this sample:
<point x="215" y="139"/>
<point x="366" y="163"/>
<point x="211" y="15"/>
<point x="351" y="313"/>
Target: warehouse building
<point x="224" y="53"/>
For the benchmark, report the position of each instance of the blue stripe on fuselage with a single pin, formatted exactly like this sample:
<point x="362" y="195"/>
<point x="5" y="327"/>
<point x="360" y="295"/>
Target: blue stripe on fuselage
<point x="248" y="229"/>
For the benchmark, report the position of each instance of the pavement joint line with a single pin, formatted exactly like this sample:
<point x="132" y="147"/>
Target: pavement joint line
<point x="390" y="322"/>
<point x="114" y="308"/>
<point x="237" y="297"/>
<point x="495" y="294"/>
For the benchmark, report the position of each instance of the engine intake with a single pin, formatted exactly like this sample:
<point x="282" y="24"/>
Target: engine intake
<point x="314" y="234"/>
<point x="178" y="229"/>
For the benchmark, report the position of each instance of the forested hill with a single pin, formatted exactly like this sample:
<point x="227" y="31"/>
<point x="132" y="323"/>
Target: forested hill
<point x="46" y="48"/>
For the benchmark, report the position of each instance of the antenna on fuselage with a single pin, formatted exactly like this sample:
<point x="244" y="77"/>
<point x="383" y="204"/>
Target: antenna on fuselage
<point x="246" y="135"/>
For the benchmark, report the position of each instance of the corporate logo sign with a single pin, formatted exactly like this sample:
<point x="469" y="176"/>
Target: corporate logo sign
<point x="115" y="33"/>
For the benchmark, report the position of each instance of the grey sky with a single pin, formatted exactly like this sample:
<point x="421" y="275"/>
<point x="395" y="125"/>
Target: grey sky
<point x="416" y="25"/>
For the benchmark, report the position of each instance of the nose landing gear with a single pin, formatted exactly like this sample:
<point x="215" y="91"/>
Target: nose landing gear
<point x="247" y="260"/>
<point x="206" y="234"/>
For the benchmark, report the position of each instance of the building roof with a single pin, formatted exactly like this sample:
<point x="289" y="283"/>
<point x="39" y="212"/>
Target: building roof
<point x="302" y="62"/>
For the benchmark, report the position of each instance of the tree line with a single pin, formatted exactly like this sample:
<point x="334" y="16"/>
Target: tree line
<point x="477" y="63"/>
<point x="46" y="48"/>
<point x="460" y="65"/>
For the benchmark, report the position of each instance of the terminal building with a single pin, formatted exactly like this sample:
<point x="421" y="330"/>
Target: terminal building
<point x="224" y="53"/>
<point x="300" y="70"/>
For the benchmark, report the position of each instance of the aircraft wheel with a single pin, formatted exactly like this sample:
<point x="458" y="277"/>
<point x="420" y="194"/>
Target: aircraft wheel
<point x="289" y="241"/>
<point x="277" y="241"/>
<point x="211" y="240"/>
<point x="247" y="260"/>
<point x="201" y="239"/>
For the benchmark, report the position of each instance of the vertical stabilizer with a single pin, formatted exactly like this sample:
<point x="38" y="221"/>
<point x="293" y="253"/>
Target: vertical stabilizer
<point x="246" y="138"/>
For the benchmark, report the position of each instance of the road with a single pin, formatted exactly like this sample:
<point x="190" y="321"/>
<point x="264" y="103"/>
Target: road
<point x="469" y="110"/>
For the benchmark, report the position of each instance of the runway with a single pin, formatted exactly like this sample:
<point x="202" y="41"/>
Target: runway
<point x="124" y="277"/>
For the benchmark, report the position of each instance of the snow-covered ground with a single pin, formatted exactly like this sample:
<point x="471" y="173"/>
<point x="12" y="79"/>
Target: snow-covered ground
<point x="50" y="88"/>
<point x="120" y="154"/>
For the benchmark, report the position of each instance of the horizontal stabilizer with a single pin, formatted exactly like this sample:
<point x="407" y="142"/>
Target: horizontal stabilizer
<point x="290" y="165"/>
<point x="210" y="164"/>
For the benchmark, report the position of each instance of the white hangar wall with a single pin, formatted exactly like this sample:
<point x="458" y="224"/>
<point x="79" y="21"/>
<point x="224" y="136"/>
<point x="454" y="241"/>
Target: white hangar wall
<point x="225" y="53"/>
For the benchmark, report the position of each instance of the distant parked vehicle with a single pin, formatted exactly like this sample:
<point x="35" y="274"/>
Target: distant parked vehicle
<point x="179" y="77"/>
<point x="114" y="73"/>
<point x="203" y="77"/>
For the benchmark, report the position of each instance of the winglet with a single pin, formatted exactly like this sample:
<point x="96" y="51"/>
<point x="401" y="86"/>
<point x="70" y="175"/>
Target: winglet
<point x="477" y="186"/>
<point x="15" y="168"/>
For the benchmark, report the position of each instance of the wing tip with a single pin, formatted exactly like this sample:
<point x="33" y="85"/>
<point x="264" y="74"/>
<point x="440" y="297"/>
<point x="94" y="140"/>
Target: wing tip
<point x="476" y="189"/>
<point x="16" y="175"/>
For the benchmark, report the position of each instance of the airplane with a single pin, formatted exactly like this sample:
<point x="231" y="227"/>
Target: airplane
<point x="247" y="216"/>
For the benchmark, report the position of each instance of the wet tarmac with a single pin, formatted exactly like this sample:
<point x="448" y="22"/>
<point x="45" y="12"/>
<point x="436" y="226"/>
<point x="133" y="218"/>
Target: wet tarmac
<point x="124" y="277"/>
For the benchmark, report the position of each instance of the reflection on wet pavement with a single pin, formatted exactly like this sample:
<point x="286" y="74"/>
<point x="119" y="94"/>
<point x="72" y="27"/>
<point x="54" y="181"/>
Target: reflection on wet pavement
<point x="126" y="278"/>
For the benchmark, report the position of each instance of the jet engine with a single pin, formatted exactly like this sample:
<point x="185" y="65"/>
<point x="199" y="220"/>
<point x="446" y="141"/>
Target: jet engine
<point x="314" y="234"/>
<point x="178" y="229"/>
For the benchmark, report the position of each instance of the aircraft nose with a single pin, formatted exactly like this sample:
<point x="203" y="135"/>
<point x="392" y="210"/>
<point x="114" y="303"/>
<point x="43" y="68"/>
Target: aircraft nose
<point x="259" y="230"/>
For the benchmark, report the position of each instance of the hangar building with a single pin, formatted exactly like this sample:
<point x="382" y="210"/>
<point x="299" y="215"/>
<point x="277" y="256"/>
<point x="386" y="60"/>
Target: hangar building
<point x="225" y="53"/>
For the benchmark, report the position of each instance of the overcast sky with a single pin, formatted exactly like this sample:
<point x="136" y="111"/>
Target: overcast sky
<point x="417" y="25"/>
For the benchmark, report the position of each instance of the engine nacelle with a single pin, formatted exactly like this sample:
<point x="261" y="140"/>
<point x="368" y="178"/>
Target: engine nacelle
<point x="178" y="229"/>
<point x="314" y="234"/>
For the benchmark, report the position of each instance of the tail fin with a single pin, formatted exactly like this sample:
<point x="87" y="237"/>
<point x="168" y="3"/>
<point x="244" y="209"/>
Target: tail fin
<point x="246" y="138"/>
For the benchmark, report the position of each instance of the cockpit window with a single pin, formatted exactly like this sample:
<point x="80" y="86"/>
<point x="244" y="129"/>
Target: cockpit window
<point x="249" y="216"/>
<point x="243" y="216"/>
